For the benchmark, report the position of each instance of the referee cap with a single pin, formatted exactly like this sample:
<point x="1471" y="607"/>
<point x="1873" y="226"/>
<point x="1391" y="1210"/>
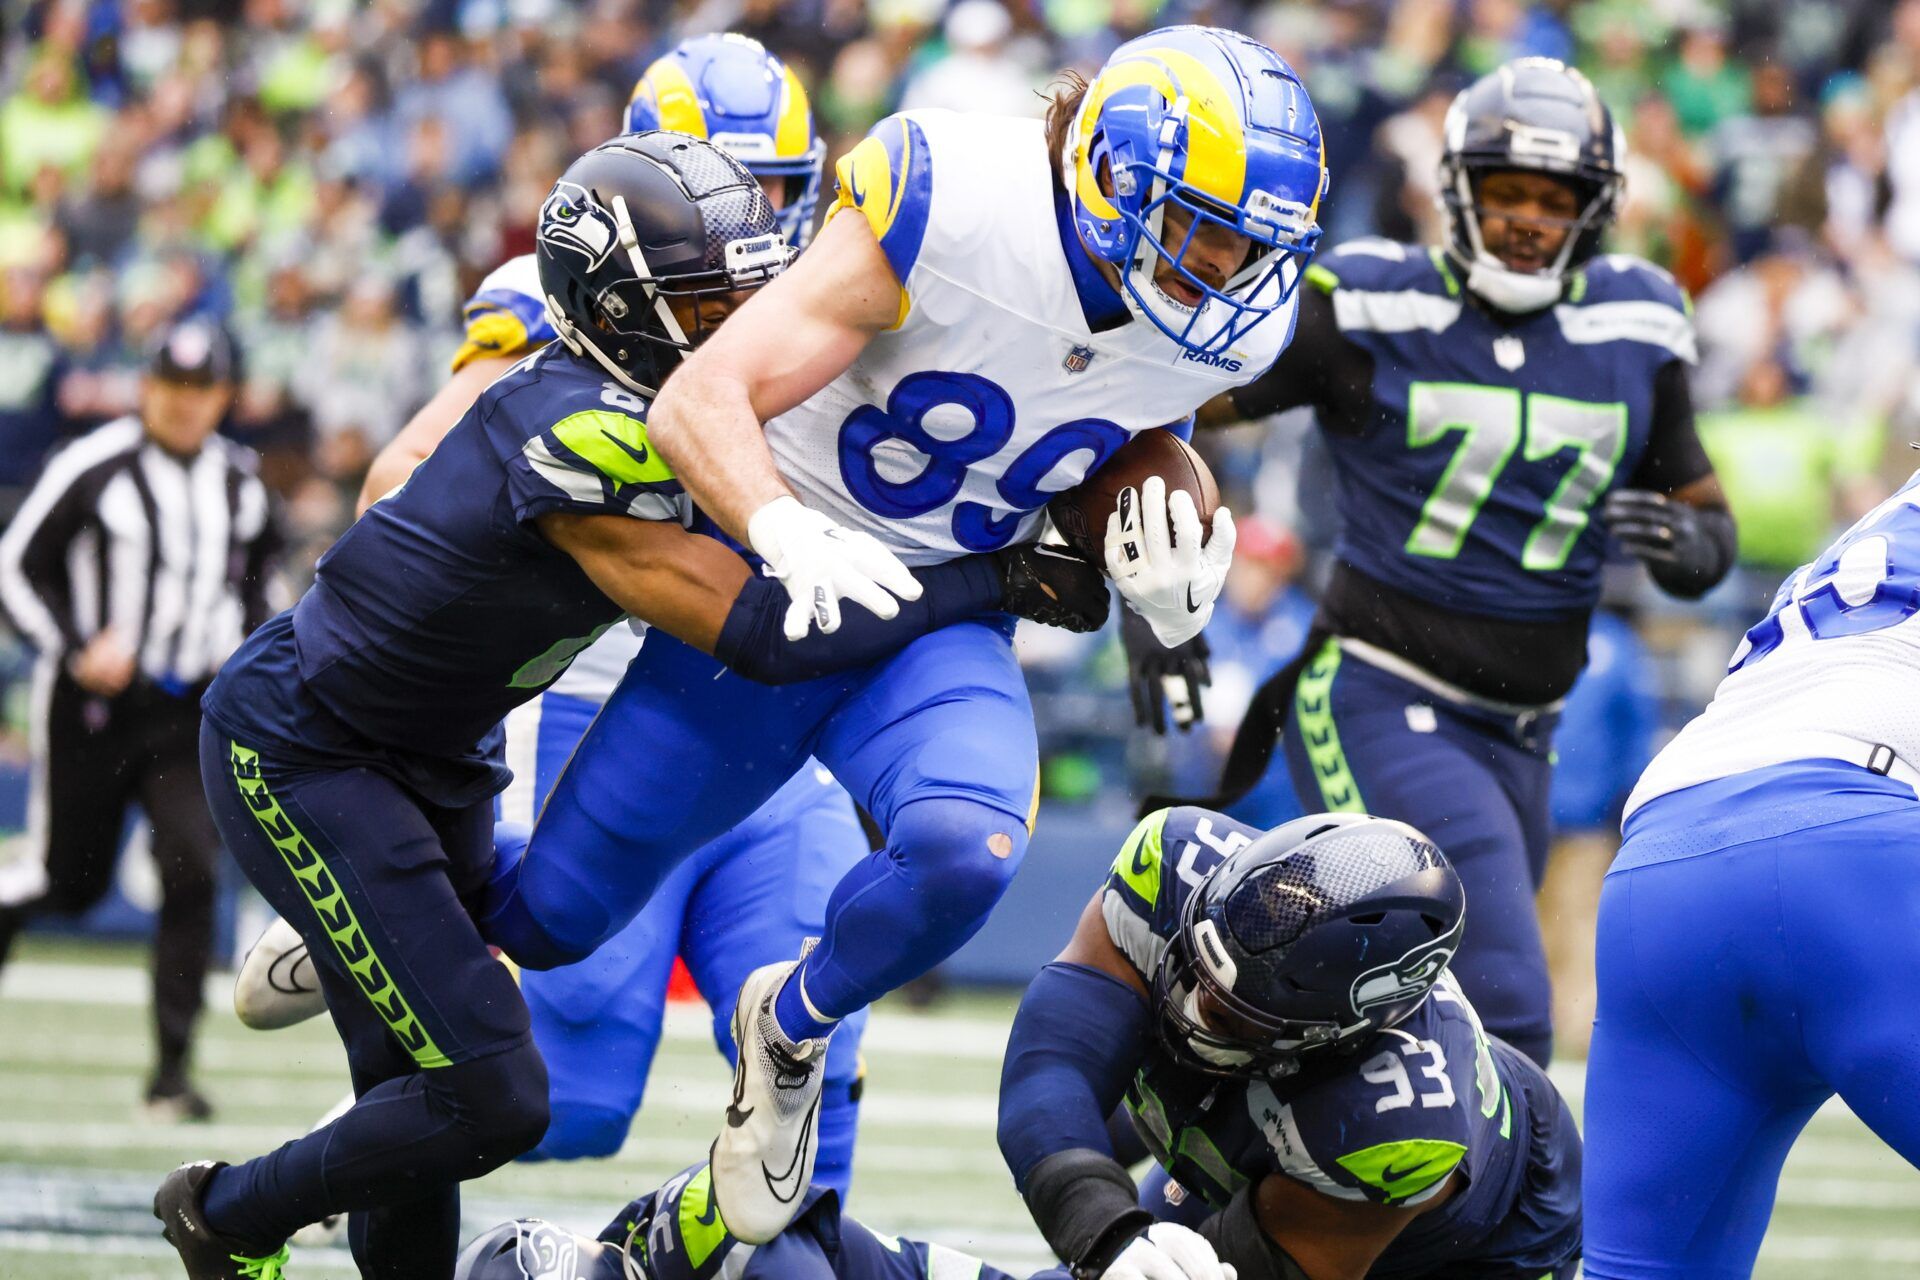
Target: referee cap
<point x="196" y="351"/>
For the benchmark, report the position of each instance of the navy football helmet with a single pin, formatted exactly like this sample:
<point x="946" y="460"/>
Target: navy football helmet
<point x="638" y="223"/>
<point x="1534" y="115"/>
<point x="531" y="1249"/>
<point x="1318" y="934"/>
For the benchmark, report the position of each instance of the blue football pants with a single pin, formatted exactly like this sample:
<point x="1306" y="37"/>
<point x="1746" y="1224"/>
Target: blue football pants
<point x="1757" y="941"/>
<point x="936" y="742"/>
<point x="1362" y="740"/>
<point x="747" y="899"/>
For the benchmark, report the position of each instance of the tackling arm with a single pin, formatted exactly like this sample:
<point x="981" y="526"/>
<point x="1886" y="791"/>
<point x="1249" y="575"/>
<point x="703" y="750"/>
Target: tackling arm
<point x="696" y="589"/>
<point x="1083" y="1028"/>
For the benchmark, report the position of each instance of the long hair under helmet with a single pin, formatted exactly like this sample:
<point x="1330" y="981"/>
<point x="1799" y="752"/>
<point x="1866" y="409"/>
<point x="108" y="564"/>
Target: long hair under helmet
<point x="1307" y="941"/>
<point x="1533" y="115"/>
<point x="1221" y="125"/>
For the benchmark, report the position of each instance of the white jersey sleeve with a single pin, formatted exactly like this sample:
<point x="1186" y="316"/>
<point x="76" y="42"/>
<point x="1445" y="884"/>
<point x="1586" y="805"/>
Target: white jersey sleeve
<point x="1832" y="671"/>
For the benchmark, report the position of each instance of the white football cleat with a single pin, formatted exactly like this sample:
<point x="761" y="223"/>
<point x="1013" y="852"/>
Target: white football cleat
<point x="763" y="1160"/>
<point x="277" y="986"/>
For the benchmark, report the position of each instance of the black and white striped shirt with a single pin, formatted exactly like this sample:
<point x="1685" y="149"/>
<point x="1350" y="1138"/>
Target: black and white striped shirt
<point x="172" y="553"/>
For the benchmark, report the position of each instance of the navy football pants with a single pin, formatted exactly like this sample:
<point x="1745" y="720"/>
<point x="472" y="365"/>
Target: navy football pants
<point x="1758" y="938"/>
<point x="1362" y="740"/>
<point x="449" y="1084"/>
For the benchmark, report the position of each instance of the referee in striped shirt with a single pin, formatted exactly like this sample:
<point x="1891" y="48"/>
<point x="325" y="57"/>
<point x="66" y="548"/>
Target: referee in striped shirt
<point x="136" y="564"/>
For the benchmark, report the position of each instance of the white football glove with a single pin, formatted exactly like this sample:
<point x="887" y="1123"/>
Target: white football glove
<point x="1155" y="557"/>
<point x="1168" y="1251"/>
<point x="820" y="564"/>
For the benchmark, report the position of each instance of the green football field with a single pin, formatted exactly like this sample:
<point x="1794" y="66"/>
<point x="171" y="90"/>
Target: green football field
<point x="78" y="1164"/>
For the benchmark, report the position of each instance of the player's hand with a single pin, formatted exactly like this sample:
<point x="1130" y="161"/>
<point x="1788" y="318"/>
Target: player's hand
<point x="105" y="667"/>
<point x="820" y="564"/>
<point x="1156" y="557"/>
<point x="1159" y="677"/>
<point x="1168" y="1251"/>
<point x="1053" y="586"/>
<point x="1651" y="525"/>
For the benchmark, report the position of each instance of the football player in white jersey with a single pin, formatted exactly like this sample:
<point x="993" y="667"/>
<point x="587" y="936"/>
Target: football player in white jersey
<point x="991" y="309"/>
<point x="744" y="899"/>
<point x="1760" y="928"/>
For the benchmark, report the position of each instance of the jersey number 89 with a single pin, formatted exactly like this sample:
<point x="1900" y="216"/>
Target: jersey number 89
<point x="976" y="526"/>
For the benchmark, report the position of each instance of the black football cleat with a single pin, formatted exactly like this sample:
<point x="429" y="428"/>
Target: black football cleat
<point x="207" y="1254"/>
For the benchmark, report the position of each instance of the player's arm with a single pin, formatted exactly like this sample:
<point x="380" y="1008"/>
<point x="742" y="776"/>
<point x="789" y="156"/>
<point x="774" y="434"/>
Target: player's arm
<point x="788" y="341"/>
<point x="1083" y="1028"/>
<point x="1319" y="368"/>
<point x="1672" y="513"/>
<point x="696" y="589"/>
<point x="424" y="431"/>
<point x="1283" y="1229"/>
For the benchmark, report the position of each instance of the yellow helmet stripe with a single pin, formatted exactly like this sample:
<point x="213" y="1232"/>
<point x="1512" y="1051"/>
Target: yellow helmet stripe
<point x="1216" y="139"/>
<point x="675" y="99"/>
<point x="794" y="137"/>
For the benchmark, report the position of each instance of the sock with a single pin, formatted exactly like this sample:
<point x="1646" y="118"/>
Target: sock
<point x="795" y="1014"/>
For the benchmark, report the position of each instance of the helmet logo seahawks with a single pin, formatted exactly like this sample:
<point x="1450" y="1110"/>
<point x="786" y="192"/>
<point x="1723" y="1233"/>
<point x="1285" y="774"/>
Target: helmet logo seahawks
<point x="1411" y="976"/>
<point x="572" y="219"/>
<point x="546" y="1252"/>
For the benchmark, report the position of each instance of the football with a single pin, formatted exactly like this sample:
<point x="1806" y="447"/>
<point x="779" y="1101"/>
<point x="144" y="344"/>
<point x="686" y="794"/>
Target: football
<point x="1081" y="513"/>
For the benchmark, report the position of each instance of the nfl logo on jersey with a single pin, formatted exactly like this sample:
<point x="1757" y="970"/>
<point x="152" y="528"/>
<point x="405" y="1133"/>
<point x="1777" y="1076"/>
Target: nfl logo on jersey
<point x="1078" y="359"/>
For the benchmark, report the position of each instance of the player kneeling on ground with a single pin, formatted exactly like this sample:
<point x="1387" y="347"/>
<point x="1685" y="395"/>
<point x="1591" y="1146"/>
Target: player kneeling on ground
<point x="1275" y="1010"/>
<point x="350" y="749"/>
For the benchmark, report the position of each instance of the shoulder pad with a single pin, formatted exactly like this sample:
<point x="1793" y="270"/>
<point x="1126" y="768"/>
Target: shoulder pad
<point x="1621" y="277"/>
<point x="507" y="315"/>
<point x="1620" y="298"/>
<point x="1164" y="858"/>
<point x="1387" y="1123"/>
<point x="580" y="439"/>
<point x="1374" y="263"/>
<point x="888" y="177"/>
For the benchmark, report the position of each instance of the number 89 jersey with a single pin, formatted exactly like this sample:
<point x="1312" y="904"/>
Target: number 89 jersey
<point x="1013" y="370"/>
<point x="1487" y="441"/>
<point x="1830" y="673"/>
<point x="1431" y="1099"/>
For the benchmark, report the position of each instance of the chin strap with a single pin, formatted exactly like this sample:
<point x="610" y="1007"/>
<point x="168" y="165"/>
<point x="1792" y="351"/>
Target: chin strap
<point x="1518" y="292"/>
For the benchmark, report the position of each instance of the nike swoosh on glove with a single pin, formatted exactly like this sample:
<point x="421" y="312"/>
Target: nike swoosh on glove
<point x="820" y="564"/>
<point x="1155" y="555"/>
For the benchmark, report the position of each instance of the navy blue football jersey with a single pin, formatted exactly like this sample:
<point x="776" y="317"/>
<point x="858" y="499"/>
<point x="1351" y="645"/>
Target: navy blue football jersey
<point x="1388" y="1123"/>
<point x="443" y="608"/>
<point x="1472" y="482"/>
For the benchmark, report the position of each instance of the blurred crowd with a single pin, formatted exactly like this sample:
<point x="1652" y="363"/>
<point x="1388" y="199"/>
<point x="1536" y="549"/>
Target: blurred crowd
<point x="330" y="177"/>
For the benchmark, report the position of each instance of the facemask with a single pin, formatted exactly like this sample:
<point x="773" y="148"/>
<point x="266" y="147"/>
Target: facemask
<point x="1513" y="291"/>
<point x="1212" y="1054"/>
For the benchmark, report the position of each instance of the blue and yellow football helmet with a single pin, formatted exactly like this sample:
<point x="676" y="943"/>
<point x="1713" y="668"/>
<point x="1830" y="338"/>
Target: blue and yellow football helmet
<point x="1222" y="125"/>
<point x="731" y="91"/>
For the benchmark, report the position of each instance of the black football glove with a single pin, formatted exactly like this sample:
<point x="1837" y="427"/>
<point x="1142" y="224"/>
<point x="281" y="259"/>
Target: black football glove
<point x="1052" y="586"/>
<point x="1687" y="549"/>
<point x="1156" y="674"/>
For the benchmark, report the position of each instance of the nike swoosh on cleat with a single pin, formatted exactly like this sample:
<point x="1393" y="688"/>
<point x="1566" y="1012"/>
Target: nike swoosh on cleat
<point x="777" y="1184"/>
<point x="736" y="1117"/>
